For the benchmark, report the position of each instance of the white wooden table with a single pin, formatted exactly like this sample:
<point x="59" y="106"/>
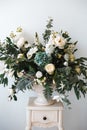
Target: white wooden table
<point x="44" y="116"/>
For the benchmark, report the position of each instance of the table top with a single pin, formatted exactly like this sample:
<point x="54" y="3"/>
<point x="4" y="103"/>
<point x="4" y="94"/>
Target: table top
<point x="32" y="106"/>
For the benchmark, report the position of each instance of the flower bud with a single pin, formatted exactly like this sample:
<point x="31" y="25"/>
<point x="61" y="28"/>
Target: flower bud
<point x="20" y="56"/>
<point x="71" y="57"/>
<point x="66" y="63"/>
<point x="39" y="74"/>
<point x="77" y="69"/>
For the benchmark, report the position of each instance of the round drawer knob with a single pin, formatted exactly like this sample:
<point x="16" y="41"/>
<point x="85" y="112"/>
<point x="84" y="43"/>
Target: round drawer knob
<point x="44" y="118"/>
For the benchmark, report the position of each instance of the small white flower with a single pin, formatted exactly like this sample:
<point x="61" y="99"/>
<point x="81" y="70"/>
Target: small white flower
<point x="3" y="68"/>
<point x="54" y="81"/>
<point x="26" y="45"/>
<point x="17" y="36"/>
<point x="29" y="55"/>
<point x="49" y="48"/>
<point x="39" y="82"/>
<point x="12" y="35"/>
<point x="11" y="91"/>
<point x="20" y="74"/>
<point x="66" y="57"/>
<point x="62" y="85"/>
<point x="39" y="74"/>
<point x="20" y="42"/>
<point x="66" y="63"/>
<point x="11" y="73"/>
<point x="71" y="47"/>
<point x="19" y="29"/>
<point x="31" y="52"/>
<point x="59" y="97"/>
<point x="9" y="98"/>
<point x="20" y="56"/>
<point x="36" y="39"/>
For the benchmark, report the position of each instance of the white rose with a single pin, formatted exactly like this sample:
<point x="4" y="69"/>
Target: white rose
<point x="60" y="42"/>
<point x="50" y="68"/>
<point x="39" y="74"/>
<point x="20" y="42"/>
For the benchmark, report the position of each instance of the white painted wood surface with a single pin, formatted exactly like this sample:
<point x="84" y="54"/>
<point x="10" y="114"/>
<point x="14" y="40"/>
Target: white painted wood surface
<point x="44" y="116"/>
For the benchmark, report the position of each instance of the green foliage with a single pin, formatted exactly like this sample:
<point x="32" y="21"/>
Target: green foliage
<point x="49" y="63"/>
<point x="24" y="84"/>
<point x="3" y="79"/>
<point x="47" y="33"/>
<point x="48" y="91"/>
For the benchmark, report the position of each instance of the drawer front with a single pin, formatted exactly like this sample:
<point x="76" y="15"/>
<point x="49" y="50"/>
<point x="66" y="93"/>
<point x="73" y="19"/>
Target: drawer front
<point x="44" y="116"/>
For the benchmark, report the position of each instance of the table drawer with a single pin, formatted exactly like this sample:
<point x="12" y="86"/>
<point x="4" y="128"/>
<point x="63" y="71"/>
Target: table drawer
<point x="44" y="116"/>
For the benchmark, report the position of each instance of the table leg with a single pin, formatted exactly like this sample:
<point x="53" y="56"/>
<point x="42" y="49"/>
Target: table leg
<point x="60" y="124"/>
<point x="28" y="118"/>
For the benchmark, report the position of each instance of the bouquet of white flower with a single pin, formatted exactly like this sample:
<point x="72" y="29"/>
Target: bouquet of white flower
<point x="48" y="63"/>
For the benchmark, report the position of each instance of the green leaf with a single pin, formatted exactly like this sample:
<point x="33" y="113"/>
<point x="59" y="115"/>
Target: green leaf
<point x="3" y="79"/>
<point x="15" y="98"/>
<point x="23" y="84"/>
<point x="66" y="100"/>
<point x="48" y="91"/>
<point x="77" y="92"/>
<point x="49" y="23"/>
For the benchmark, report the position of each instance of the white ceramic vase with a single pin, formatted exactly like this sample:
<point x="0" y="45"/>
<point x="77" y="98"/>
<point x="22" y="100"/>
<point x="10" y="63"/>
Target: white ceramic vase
<point x="40" y="99"/>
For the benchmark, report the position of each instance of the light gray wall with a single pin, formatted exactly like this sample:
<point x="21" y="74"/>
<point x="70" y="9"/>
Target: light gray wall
<point x="70" y="15"/>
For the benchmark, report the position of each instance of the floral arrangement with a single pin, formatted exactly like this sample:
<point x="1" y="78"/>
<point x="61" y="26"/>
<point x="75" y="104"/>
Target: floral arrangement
<point x="51" y="63"/>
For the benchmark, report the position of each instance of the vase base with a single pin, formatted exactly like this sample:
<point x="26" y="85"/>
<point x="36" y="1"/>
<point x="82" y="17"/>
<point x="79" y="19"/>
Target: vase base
<point x="40" y="102"/>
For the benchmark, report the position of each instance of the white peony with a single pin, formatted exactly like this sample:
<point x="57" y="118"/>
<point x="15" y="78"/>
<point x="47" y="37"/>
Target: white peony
<point x="31" y="52"/>
<point x="39" y="74"/>
<point x="20" y="42"/>
<point x="50" y="68"/>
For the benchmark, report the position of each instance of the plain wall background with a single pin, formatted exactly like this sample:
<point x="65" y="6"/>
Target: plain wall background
<point x="68" y="15"/>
